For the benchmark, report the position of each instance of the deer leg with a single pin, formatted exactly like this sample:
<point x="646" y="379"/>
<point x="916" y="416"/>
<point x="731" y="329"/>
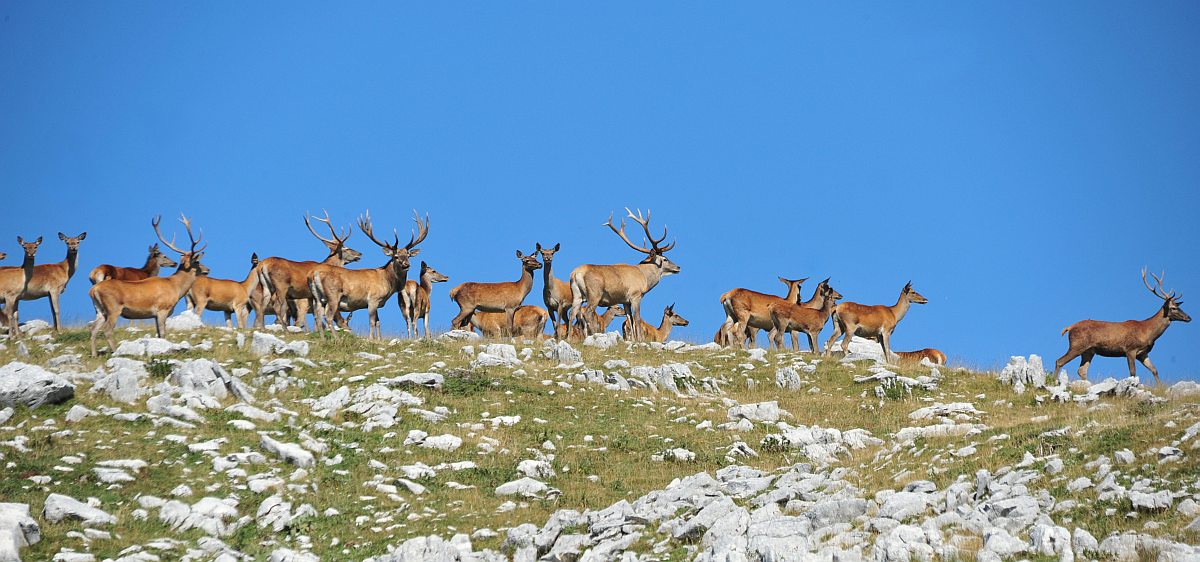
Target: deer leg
<point x="460" y="320"/>
<point x="97" y="324"/>
<point x="812" y="341"/>
<point x="837" y="331"/>
<point x="795" y="340"/>
<point x="1085" y="363"/>
<point x="510" y="315"/>
<point x="426" y="319"/>
<point x="849" y="333"/>
<point x="13" y="318"/>
<point x="160" y="323"/>
<point x="373" y="320"/>
<point x="1067" y="357"/>
<point x="1145" y="359"/>
<point x="1129" y="356"/>
<point x="228" y="319"/>
<point x="54" y="308"/>
<point x="885" y="341"/>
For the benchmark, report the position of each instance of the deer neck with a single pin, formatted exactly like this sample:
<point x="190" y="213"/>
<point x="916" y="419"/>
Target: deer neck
<point x="900" y="308"/>
<point x="547" y="276"/>
<point x="1157" y="324"/>
<point x="525" y="282"/>
<point x="827" y="308"/>
<point x="815" y="301"/>
<point x="652" y="273"/>
<point x="69" y="262"/>
<point x="27" y="268"/>
<point x="793" y="294"/>
<point x="427" y="283"/>
<point x="664" y="328"/>
<point x="335" y="260"/>
<point x="183" y="281"/>
<point x="397" y="275"/>
<point x="151" y="266"/>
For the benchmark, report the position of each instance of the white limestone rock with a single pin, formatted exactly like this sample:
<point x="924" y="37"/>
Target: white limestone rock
<point x="266" y="344"/>
<point x="32" y="386"/>
<point x="17" y="530"/>
<point x="289" y="452"/>
<point x="59" y="507"/>
<point x="184" y="321"/>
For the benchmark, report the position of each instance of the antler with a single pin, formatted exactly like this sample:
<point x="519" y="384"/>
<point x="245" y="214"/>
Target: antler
<point x="645" y="222"/>
<point x="364" y="224"/>
<point x="187" y="223"/>
<point x="621" y="233"/>
<point x="332" y="231"/>
<point x="1157" y="290"/>
<point x="422" y="231"/>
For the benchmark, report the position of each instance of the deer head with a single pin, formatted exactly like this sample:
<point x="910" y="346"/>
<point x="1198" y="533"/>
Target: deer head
<point x="189" y="260"/>
<point x="912" y="295"/>
<point x="529" y="261"/>
<point x="337" y="244"/>
<point x="655" y="254"/>
<point x="675" y="319"/>
<point x="434" y="276"/>
<point x="160" y="258"/>
<point x="1171" y="301"/>
<point x="831" y="293"/>
<point x="547" y="253"/>
<point x="72" y="243"/>
<point x="398" y="255"/>
<point x="29" y="247"/>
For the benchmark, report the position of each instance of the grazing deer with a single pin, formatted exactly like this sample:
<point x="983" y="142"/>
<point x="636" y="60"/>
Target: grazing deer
<point x="597" y="323"/>
<point x="50" y="279"/>
<point x="556" y="294"/>
<point x="660" y="334"/>
<point x="1132" y="339"/>
<point x="622" y="284"/>
<point x="914" y="357"/>
<point x="746" y="312"/>
<point x="225" y="295"/>
<point x="529" y="321"/>
<point x="872" y="321"/>
<point x="415" y="301"/>
<point x="13" y="283"/>
<point x="154" y="262"/>
<point x="796" y="318"/>
<point x="340" y="289"/>
<point x="154" y="297"/>
<point x="285" y="280"/>
<point x="503" y="297"/>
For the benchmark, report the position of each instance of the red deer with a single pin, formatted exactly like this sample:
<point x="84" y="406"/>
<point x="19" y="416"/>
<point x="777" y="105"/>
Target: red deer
<point x="1131" y="339"/>
<point x="154" y="297"/>
<point x="914" y="357"/>
<point x="746" y="312"/>
<point x="660" y="334"/>
<point x="415" y="301"/>
<point x="529" y="322"/>
<point x="597" y="323"/>
<point x="503" y="297"/>
<point x="796" y="318"/>
<point x="555" y="293"/>
<point x="340" y="289"/>
<point x="154" y="261"/>
<point x="283" y="280"/>
<point x="50" y="279"/>
<point x="13" y="282"/>
<point x="622" y="284"/>
<point x="872" y="321"/>
<point x="225" y="295"/>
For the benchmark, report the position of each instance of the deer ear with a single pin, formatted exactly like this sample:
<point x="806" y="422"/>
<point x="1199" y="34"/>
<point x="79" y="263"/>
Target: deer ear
<point x="537" y="247"/>
<point x="414" y="252"/>
<point x="556" y="245"/>
<point x="38" y="241"/>
<point x="519" y="254"/>
<point x="62" y="237"/>
<point x="424" y="265"/>
<point x="20" y="240"/>
<point x="82" y="235"/>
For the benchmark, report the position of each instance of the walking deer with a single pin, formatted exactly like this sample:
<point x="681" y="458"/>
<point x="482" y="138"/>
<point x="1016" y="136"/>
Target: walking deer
<point x="529" y="321"/>
<point x="1131" y="339"/>
<point x="746" y="312"/>
<point x="154" y="297"/>
<point x="415" y="301"/>
<point x="347" y="290"/>
<point x="225" y="295"/>
<point x="154" y="262"/>
<point x="660" y="334"/>
<point x="50" y="279"/>
<point x="622" y="284"/>
<point x="797" y="318"/>
<point x="555" y="293"/>
<point x="13" y="283"/>
<point x="285" y="280"/>
<point x="503" y="297"/>
<point x="872" y="321"/>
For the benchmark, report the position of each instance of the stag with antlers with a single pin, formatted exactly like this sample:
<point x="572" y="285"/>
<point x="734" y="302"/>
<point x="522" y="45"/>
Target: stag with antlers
<point x="503" y="297"/>
<point x="622" y="284"/>
<point x="414" y="299"/>
<point x="1131" y="339"/>
<point x="154" y="262"/>
<point x="285" y="280"/>
<point x="154" y="297"/>
<point x="339" y="289"/>
<point x="13" y="283"/>
<point x="872" y="321"/>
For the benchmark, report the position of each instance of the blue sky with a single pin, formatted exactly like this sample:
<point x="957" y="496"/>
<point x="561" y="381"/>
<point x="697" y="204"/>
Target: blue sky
<point x="1018" y="161"/>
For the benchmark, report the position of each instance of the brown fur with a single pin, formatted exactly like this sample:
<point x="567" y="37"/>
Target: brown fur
<point x="50" y="279"/>
<point x="796" y="318"/>
<point x="872" y="321"/>
<point x="555" y="293"/>
<point x="13" y="283"/>
<point x="155" y="261"/>
<point x="529" y="322"/>
<point x="660" y="334"/>
<point x="415" y="301"/>
<point x="224" y="295"/>
<point x="283" y="280"/>
<point x="746" y="311"/>
<point x="913" y="357"/>
<point x="503" y="297"/>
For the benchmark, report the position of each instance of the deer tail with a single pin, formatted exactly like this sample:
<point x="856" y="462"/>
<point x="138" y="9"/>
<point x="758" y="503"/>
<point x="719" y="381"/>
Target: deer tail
<point x="1067" y="329"/>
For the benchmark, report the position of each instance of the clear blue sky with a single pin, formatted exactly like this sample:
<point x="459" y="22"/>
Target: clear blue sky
<point x="1018" y="161"/>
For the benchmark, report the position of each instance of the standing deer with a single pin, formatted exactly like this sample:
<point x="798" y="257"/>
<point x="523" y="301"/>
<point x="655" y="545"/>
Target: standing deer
<point x="154" y="261"/>
<point x="415" y="301"/>
<point x="1132" y="339"/>
<point x="503" y="297"/>
<point x="596" y="324"/>
<point x="555" y="293"/>
<point x="154" y="297"/>
<point x="528" y="322"/>
<point x="340" y="289"/>
<point x="872" y="321"/>
<point x="796" y="318"/>
<point x="913" y="357"/>
<point x="622" y="284"/>
<point x="50" y="279"/>
<point x="746" y="312"/>
<point x="283" y="280"/>
<point x="13" y="282"/>
<point x="225" y="295"/>
<point x="660" y="334"/>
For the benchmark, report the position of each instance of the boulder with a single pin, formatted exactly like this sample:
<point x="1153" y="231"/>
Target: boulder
<point x="185" y="321"/>
<point x="266" y="344"/>
<point x="149" y="347"/>
<point x="32" y="386"/>
<point x="289" y="452"/>
<point x="59" y="507"/>
<point x="766" y="412"/>
<point x="17" y="530"/>
<point x="1024" y="372"/>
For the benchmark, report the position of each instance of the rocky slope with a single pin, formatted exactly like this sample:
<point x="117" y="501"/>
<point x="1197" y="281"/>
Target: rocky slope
<point x="220" y="445"/>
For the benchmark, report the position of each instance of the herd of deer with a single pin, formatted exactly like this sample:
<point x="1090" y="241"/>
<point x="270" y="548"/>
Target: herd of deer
<point x="289" y="289"/>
